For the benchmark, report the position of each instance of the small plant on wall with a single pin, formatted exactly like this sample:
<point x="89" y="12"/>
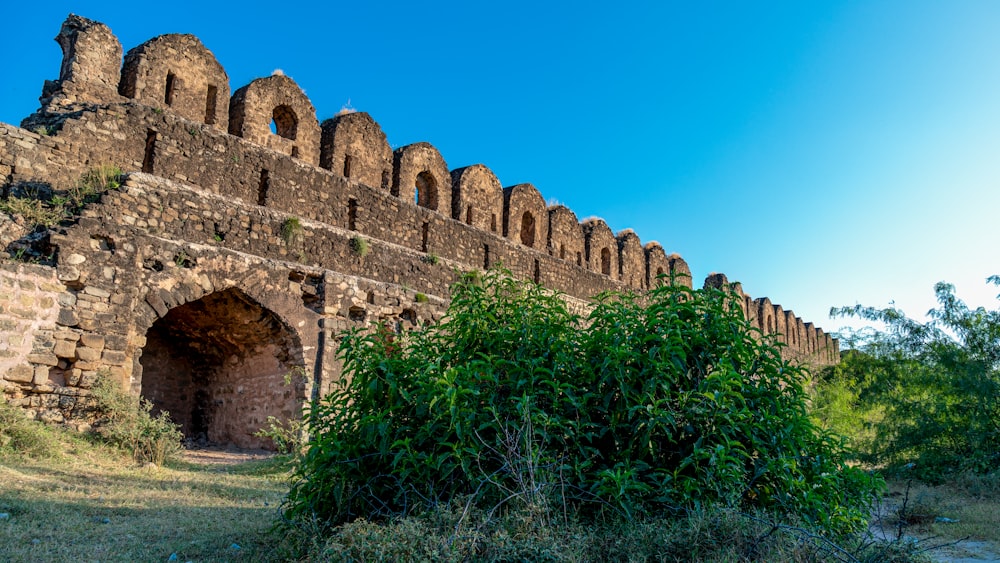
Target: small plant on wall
<point x="359" y="246"/>
<point x="431" y="259"/>
<point x="291" y="230"/>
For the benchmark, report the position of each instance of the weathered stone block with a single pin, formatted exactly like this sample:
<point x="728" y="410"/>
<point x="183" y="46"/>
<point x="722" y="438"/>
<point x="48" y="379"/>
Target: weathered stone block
<point x="68" y="317"/>
<point x="91" y="340"/>
<point x="41" y="377"/>
<point x="65" y="349"/>
<point x="88" y="354"/>
<point x="114" y="357"/>
<point x="43" y="359"/>
<point x="20" y="374"/>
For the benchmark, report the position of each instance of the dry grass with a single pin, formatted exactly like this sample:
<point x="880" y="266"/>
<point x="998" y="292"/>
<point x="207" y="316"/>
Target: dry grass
<point x="966" y="510"/>
<point x="92" y="503"/>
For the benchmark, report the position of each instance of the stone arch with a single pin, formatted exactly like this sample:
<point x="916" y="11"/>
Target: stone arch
<point x="765" y="315"/>
<point x="525" y="217"/>
<point x="176" y="72"/>
<point x="599" y="243"/>
<point x="779" y="324"/>
<point x="426" y="188"/>
<point x="476" y="197"/>
<point x="565" y="236"/>
<point x="354" y="146"/>
<point x="809" y="330"/>
<point x="680" y="270"/>
<point x="656" y="264"/>
<point x="420" y="167"/>
<point x="820" y="345"/>
<point x="276" y="99"/>
<point x="284" y="122"/>
<point x="631" y="259"/>
<point x="218" y="364"/>
<point x="800" y="335"/>
<point x="791" y="329"/>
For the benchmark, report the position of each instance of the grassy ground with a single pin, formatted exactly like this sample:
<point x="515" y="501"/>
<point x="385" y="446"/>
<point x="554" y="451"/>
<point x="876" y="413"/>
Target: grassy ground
<point x="65" y="498"/>
<point x="92" y="503"/>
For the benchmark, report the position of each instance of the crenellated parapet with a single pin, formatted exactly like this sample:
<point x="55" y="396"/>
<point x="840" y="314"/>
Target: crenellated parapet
<point x="244" y="209"/>
<point x="177" y="74"/>
<point x="801" y="341"/>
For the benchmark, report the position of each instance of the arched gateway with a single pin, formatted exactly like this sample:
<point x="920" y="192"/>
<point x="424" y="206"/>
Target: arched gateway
<point x="221" y="365"/>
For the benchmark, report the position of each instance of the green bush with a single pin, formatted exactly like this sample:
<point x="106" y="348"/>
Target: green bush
<point x="920" y="396"/>
<point x="286" y="436"/>
<point x="21" y="437"/>
<point x="126" y="421"/>
<point x="657" y="403"/>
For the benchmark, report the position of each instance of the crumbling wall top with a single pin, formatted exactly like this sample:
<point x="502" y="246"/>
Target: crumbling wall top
<point x="90" y="67"/>
<point x="178" y="73"/>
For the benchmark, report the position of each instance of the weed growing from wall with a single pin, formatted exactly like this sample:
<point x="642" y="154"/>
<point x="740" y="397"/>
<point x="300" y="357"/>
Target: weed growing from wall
<point x="47" y="208"/>
<point x="359" y="246"/>
<point x="291" y="230"/>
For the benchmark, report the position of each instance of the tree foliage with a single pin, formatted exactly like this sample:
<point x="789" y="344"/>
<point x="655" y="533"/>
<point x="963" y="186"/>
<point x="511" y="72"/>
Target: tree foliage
<point x="925" y="395"/>
<point x="654" y="403"/>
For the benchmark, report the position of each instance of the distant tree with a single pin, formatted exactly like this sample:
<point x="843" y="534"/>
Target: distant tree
<point x="920" y="395"/>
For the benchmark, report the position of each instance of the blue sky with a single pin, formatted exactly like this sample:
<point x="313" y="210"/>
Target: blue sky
<point x="822" y="153"/>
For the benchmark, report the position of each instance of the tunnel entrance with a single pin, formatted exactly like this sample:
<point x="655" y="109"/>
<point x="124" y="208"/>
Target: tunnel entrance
<point x="220" y="366"/>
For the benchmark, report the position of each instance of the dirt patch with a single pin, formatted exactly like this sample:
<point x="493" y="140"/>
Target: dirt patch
<point x="221" y="455"/>
<point x="885" y="526"/>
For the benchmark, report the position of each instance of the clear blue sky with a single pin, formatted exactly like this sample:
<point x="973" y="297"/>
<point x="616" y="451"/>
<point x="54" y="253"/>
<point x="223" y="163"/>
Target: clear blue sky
<point x="823" y="153"/>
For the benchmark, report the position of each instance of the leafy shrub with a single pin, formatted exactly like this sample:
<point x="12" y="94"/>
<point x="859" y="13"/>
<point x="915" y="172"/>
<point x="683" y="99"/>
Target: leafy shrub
<point x="22" y="437"/>
<point x="431" y="258"/>
<point x="126" y="421"/>
<point x="656" y="403"/>
<point x="928" y="394"/>
<point x="286" y="435"/>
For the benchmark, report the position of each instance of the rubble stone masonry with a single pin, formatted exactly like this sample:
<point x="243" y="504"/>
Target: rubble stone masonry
<point x="247" y="236"/>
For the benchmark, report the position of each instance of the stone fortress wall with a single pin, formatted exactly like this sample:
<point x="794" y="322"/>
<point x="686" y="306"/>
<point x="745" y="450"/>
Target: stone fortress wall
<point x="247" y="235"/>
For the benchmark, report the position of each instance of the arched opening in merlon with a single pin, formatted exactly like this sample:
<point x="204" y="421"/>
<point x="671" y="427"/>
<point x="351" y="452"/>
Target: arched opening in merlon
<point x="220" y="366"/>
<point x="284" y="122"/>
<point x="426" y="194"/>
<point x="606" y="261"/>
<point x="528" y="229"/>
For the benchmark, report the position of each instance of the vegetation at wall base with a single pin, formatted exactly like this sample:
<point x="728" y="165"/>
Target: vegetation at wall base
<point x="20" y="437"/>
<point x="127" y="421"/>
<point x="653" y="405"/>
<point x="921" y="399"/>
